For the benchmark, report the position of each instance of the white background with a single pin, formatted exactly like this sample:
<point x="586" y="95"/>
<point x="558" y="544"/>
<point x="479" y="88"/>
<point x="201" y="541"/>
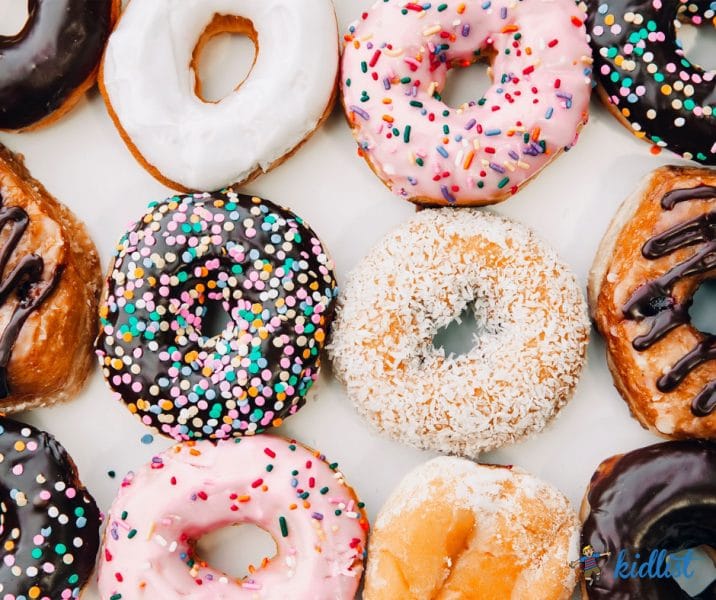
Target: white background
<point x="82" y="160"/>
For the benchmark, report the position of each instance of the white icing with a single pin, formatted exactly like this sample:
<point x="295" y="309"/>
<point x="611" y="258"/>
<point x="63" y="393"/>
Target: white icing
<point x="207" y="146"/>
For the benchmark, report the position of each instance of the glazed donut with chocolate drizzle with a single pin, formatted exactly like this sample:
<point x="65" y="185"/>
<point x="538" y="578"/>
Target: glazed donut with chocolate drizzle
<point x="49" y="290"/>
<point x="659" y="248"/>
<point x="662" y="497"/>
<point x="49" y="65"/>
<point x="49" y="523"/>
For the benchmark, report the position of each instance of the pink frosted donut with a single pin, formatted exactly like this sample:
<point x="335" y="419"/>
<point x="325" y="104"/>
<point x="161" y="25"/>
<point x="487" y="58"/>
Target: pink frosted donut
<point x="196" y="487"/>
<point x="395" y="66"/>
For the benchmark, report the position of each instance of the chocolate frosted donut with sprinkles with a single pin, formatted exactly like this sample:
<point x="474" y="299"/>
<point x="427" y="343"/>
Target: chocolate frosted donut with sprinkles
<point x="395" y="66"/>
<point x="645" y="78"/>
<point x="191" y="264"/>
<point x="49" y="523"/>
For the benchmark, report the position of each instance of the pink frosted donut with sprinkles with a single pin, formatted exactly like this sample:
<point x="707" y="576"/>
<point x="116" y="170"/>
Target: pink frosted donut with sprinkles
<point x="395" y="65"/>
<point x="288" y="490"/>
<point x="214" y="314"/>
<point x="645" y="78"/>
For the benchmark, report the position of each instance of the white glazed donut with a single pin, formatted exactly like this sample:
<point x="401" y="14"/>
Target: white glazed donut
<point x="150" y="86"/>
<point x="289" y="491"/>
<point x="528" y="354"/>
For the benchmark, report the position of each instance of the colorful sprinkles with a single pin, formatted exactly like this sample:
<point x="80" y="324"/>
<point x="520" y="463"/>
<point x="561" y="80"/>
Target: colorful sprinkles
<point x="642" y="68"/>
<point x="49" y="524"/>
<point x="195" y="258"/>
<point x="193" y="488"/>
<point x="395" y="65"/>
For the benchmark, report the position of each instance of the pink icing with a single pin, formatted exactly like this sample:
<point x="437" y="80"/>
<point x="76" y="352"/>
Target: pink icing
<point x="192" y="489"/>
<point x="480" y="152"/>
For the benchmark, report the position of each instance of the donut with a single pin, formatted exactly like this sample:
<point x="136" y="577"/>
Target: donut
<point x="191" y="144"/>
<point x="286" y="489"/>
<point x="528" y="352"/>
<point x="49" y="65"/>
<point x="394" y="70"/>
<point x="658" y="498"/>
<point x="646" y="80"/>
<point x="49" y="523"/>
<point x="659" y="248"/>
<point x="456" y="529"/>
<point x="188" y="260"/>
<point x="50" y="281"/>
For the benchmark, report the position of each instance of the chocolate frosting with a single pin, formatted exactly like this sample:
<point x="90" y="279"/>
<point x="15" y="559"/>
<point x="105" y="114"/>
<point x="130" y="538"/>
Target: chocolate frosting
<point x="25" y="281"/>
<point x="654" y="300"/>
<point x="659" y="497"/>
<point x="643" y="70"/>
<point x="55" y="52"/>
<point x="49" y="523"/>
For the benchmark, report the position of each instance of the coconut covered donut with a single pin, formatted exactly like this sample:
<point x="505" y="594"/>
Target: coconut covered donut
<point x="190" y="144"/>
<point x="527" y="356"/>
<point x="454" y="529"/>
<point x="395" y="65"/>
<point x="659" y="248"/>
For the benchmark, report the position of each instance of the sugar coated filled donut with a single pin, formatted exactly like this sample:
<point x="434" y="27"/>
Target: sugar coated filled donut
<point x="456" y="529"/>
<point x="658" y="250"/>
<point x="529" y="349"/>
<point x="289" y="491"/>
<point x="189" y="260"/>
<point x="646" y="80"/>
<point x="49" y="523"/>
<point x="191" y="144"/>
<point x="396" y="61"/>
<point x="49" y="65"/>
<point x="49" y="290"/>
<point x="661" y="498"/>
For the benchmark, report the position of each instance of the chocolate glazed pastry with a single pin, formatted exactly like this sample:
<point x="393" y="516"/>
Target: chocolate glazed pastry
<point x="645" y="78"/>
<point x="660" y="497"/>
<point x="659" y="249"/>
<point x="214" y="314"/>
<point x="49" y="523"/>
<point x="53" y="60"/>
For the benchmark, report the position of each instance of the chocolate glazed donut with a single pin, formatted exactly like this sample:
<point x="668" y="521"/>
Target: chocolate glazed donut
<point x="654" y="88"/>
<point x="49" y="523"/>
<point x="659" y="497"/>
<point x="53" y="59"/>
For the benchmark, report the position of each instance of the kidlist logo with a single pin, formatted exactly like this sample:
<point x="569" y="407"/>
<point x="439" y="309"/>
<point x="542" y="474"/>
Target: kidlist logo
<point x="658" y="564"/>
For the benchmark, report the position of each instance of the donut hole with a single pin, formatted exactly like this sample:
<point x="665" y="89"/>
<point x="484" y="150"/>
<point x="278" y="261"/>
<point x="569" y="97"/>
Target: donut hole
<point x="13" y="16"/>
<point x="466" y="85"/>
<point x="698" y="43"/>
<point x="701" y="559"/>
<point x="237" y="550"/>
<point x="459" y="336"/>
<point x="215" y="318"/>
<point x="703" y="308"/>
<point x="224" y="57"/>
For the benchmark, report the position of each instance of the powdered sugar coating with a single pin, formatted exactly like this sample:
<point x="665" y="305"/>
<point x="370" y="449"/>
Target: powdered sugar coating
<point x="496" y="496"/>
<point x="527" y="357"/>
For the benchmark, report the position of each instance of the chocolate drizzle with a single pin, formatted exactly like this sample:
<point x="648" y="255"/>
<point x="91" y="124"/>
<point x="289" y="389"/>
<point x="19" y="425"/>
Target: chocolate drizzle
<point x="654" y="299"/>
<point x="25" y="280"/>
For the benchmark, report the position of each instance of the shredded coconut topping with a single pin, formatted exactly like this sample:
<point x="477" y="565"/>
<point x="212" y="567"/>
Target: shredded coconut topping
<point x="527" y="356"/>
